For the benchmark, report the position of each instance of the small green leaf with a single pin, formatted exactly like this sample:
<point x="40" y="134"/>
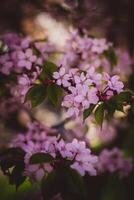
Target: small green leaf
<point x="117" y="102"/>
<point x="110" y="107"/>
<point x="119" y="107"/>
<point x="88" y="111"/>
<point x="40" y="158"/>
<point x="49" y="186"/>
<point x="48" y="68"/>
<point x="36" y="94"/>
<point x="51" y="67"/>
<point x="99" y="114"/>
<point x="76" y="182"/>
<point x="16" y="177"/>
<point x="54" y="93"/>
<point x="65" y="181"/>
<point x="111" y="56"/>
<point x="13" y="158"/>
<point x="10" y="157"/>
<point x="124" y="96"/>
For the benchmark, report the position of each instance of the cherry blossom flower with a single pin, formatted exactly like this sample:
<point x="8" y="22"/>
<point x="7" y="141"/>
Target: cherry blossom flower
<point x="76" y="151"/>
<point x="114" y="83"/>
<point x="19" y="55"/>
<point x="86" y="88"/>
<point x="93" y="76"/>
<point x="84" y="161"/>
<point x="113" y="161"/>
<point x="61" y="77"/>
<point x="5" y="64"/>
<point x="84" y="51"/>
<point x="45" y="49"/>
<point x="26" y="59"/>
<point x="99" y="45"/>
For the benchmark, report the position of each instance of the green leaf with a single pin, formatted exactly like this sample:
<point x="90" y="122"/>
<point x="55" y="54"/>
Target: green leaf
<point x="65" y="181"/>
<point x="99" y="114"/>
<point x="111" y="56"/>
<point x="124" y="96"/>
<point x="48" y="68"/>
<point x="117" y="102"/>
<point x="41" y="158"/>
<point x="54" y="93"/>
<point x="76" y="183"/>
<point x="36" y="94"/>
<point x="110" y="107"/>
<point x="49" y="186"/>
<point x="16" y="177"/>
<point x="119" y="107"/>
<point x="13" y="158"/>
<point x="51" y="67"/>
<point x="88" y="111"/>
<point x="10" y="157"/>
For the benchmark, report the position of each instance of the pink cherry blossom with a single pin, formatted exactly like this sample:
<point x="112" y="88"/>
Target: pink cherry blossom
<point x="76" y="151"/>
<point x="114" y="83"/>
<point x="6" y="64"/>
<point x="26" y="58"/>
<point x="113" y="161"/>
<point x="61" y="77"/>
<point x="99" y="45"/>
<point x="84" y="51"/>
<point x="86" y="88"/>
<point x="93" y="76"/>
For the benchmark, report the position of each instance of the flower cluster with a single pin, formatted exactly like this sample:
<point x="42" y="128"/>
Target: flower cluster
<point x="124" y="64"/>
<point x="19" y="54"/>
<point x="34" y="137"/>
<point x="23" y="58"/>
<point x="84" y="51"/>
<point x="24" y="83"/>
<point x="83" y="161"/>
<point x="113" y="161"/>
<point x="86" y="81"/>
<point x="86" y="88"/>
<point x="23" y="53"/>
<point x="37" y="140"/>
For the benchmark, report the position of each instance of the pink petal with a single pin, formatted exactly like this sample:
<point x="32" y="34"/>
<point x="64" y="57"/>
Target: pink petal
<point x="21" y="63"/>
<point x="39" y="174"/>
<point x="21" y="55"/>
<point x="62" y="71"/>
<point x="28" y="65"/>
<point x="29" y="53"/>
<point x="56" y="75"/>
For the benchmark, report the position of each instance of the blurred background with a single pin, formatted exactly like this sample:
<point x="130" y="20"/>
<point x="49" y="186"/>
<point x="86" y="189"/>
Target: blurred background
<point x="113" y="19"/>
<point x="50" y="19"/>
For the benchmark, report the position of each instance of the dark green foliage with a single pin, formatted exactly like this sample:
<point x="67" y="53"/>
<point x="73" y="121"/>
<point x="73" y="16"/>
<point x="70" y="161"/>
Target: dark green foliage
<point x="12" y="165"/>
<point x="99" y="114"/>
<point x="46" y="88"/>
<point x="65" y="181"/>
<point x="41" y="158"/>
<point x="48" y="68"/>
<point x="88" y="111"/>
<point x="37" y="94"/>
<point x="54" y="93"/>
